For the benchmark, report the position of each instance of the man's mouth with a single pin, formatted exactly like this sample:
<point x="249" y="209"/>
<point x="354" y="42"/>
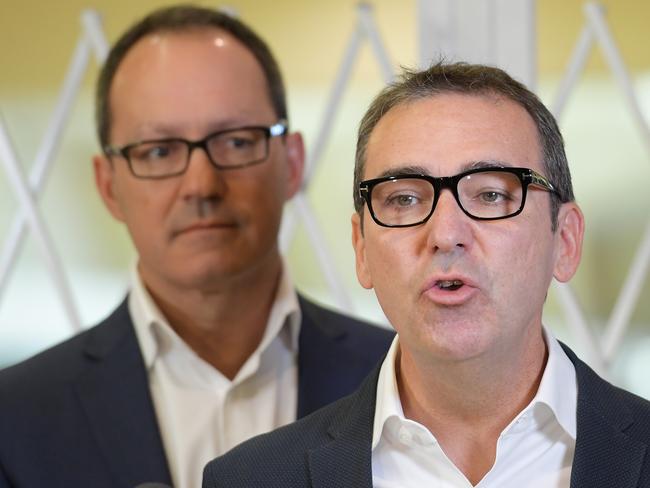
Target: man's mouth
<point x="205" y="226"/>
<point x="449" y="285"/>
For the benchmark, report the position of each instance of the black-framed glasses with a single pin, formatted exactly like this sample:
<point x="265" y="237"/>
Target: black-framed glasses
<point x="227" y="149"/>
<point x="493" y="193"/>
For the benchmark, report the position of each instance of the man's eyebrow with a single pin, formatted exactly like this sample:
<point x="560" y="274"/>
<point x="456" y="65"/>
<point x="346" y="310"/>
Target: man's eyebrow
<point x="404" y="170"/>
<point x="164" y="130"/>
<point x="421" y="170"/>
<point x="150" y="130"/>
<point x="485" y="163"/>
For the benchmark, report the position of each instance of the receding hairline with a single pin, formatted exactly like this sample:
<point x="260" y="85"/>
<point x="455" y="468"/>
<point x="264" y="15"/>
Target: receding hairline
<point x="184" y="18"/>
<point x="488" y="94"/>
<point x="187" y="31"/>
<point x="180" y="31"/>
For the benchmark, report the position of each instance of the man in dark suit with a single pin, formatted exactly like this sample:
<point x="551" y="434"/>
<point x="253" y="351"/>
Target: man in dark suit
<point x="213" y="344"/>
<point x="464" y="214"/>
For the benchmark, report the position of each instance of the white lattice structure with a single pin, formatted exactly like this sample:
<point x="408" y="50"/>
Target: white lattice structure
<point x="365" y="29"/>
<point x="28" y="189"/>
<point x="496" y="32"/>
<point x="600" y="350"/>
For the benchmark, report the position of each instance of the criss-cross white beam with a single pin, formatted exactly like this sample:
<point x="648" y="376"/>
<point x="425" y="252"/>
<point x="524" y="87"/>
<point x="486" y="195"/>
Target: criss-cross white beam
<point x="34" y="220"/>
<point x="365" y="29"/>
<point x="627" y="299"/>
<point x="91" y="39"/>
<point x="602" y="352"/>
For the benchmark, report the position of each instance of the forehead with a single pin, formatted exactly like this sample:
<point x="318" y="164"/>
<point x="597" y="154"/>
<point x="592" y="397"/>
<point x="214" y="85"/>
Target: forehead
<point x="188" y="77"/>
<point x="447" y="133"/>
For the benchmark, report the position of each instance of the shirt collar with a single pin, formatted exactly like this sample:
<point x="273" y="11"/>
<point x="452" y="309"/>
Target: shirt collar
<point x="558" y="390"/>
<point x="388" y="403"/>
<point x="155" y="335"/>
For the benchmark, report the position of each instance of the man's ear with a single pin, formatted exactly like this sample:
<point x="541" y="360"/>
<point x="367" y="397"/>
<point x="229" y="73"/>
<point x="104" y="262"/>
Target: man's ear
<point x="296" y="159"/>
<point x="569" y="236"/>
<point x="105" y="184"/>
<point x="359" y="245"/>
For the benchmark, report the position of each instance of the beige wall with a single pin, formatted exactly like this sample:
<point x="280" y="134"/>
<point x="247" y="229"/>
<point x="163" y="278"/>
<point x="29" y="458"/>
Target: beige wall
<point x="309" y="38"/>
<point x="36" y="36"/>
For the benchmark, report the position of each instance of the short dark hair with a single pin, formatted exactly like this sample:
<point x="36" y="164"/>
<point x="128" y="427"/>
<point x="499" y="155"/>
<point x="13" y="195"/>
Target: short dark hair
<point x="182" y="18"/>
<point x="470" y="79"/>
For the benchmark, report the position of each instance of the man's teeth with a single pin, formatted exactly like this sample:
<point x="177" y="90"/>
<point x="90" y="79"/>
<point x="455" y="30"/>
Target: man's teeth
<point x="450" y="284"/>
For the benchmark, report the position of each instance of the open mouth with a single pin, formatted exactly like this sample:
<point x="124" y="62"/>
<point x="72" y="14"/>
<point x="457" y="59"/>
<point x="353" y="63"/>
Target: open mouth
<point x="449" y="285"/>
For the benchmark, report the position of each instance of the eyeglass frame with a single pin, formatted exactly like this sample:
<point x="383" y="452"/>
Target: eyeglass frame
<point x="526" y="177"/>
<point x="280" y="128"/>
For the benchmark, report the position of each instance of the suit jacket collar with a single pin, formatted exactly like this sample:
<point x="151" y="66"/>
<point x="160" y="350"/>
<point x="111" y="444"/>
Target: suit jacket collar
<point x="318" y="363"/>
<point x="114" y="395"/>
<point x="346" y="460"/>
<point x="604" y="455"/>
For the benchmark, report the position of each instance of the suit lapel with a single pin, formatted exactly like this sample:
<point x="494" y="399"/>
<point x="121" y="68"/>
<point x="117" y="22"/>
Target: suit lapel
<point x="346" y="460"/>
<point x="605" y="456"/>
<point x="114" y="394"/>
<point x="322" y="373"/>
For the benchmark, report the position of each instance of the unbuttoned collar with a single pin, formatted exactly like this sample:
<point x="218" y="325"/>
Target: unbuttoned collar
<point x="156" y="336"/>
<point x="557" y="391"/>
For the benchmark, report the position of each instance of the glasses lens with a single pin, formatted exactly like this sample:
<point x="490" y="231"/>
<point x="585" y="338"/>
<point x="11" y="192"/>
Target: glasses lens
<point x="490" y="194"/>
<point x="158" y="158"/>
<point x="405" y="201"/>
<point x="238" y="147"/>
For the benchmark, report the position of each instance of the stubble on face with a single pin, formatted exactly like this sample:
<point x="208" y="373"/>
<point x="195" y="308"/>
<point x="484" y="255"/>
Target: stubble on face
<point x="207" y="225"/>
<point x="508" y="262"/>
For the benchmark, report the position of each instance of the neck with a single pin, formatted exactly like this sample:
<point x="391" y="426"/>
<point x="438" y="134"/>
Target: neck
<point x="466" y="405"/>
<point x="225" y="325"/>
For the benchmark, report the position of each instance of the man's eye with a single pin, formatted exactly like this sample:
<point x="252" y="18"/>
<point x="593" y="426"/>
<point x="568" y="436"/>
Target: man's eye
<point x="402" y="200"/>
<point x="493" y="197"/>
<point x="152" y="152"/>
<point x="240" y="142"/>
<point x="158" y="152"/>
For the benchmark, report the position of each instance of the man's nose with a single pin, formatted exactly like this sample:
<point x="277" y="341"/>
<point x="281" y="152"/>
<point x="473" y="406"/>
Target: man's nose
<point x="202" y="179"/>
<point x="448" y="227"/>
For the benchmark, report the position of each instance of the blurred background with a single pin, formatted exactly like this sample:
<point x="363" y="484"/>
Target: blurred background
<point x="609" y="156"/>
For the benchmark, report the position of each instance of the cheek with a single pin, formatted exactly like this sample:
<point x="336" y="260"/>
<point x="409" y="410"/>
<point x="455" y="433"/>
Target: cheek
<point x="392" y="263"/>
<point x="145" y="206"/>
<point x="264" y="194"/>
<point x="526" y="267"/>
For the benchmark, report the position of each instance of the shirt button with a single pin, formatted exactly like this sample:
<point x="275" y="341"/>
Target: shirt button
<point x="404" y="436"/>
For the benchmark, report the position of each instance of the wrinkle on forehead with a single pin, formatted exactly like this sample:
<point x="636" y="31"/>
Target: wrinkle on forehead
<point x="466" y="131"/>
<point x="416" y="169"/>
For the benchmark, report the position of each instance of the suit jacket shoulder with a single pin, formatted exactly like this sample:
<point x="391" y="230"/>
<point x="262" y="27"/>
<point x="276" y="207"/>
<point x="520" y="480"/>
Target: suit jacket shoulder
<point x="82" y="412"/>
<point x="613" y="433"/>
<point x="329" y="448"/>
<point x="336" y="353"/>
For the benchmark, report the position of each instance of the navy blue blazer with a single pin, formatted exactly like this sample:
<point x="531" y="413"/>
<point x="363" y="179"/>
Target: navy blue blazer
<point x="331" y="448"/>
<point x="80" y="414"/>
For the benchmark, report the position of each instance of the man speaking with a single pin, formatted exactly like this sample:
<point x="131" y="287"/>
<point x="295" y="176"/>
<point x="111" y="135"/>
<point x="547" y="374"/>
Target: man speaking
<point x="464" y="214"/>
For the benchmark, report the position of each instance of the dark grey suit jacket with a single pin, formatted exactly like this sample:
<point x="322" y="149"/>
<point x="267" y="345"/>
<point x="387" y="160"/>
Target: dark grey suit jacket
<point x="81" y="415"/>
<point x="331" y="448"/>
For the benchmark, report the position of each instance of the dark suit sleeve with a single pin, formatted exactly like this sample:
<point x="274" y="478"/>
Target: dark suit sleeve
<point x="336" y="353"/>
<point x="4" y="482"/>
<point x="209" y="480"/>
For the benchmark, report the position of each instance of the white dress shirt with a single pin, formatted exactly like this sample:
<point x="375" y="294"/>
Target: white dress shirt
<point x="534" y="451"/>
<point x="200" y="412"/>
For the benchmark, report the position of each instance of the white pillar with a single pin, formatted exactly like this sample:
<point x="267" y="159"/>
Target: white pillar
<point x="496" y="32"/>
